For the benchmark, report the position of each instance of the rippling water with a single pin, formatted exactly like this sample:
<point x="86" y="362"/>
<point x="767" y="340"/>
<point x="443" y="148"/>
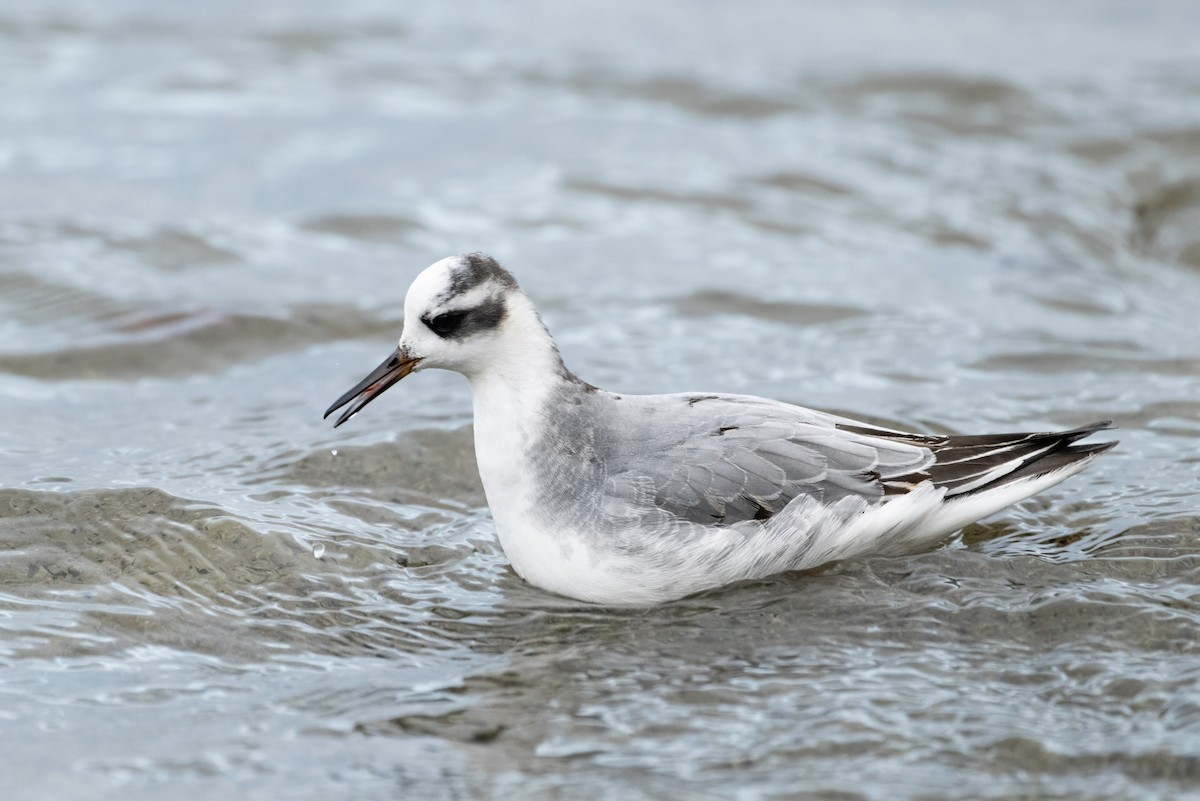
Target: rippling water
<point x="950" y="218"/>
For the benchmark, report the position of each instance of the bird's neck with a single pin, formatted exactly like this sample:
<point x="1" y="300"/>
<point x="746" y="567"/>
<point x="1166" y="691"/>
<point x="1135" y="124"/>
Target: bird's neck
<point x="511" y="393"/>
<point x="510" y="397"/>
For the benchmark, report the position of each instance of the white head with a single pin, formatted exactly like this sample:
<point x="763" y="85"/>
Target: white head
<point x="466" y="314"/>
<point x="458" y="312"/>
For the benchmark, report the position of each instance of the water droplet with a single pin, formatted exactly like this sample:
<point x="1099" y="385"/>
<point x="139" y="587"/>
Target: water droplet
<point x="319" y="550"/>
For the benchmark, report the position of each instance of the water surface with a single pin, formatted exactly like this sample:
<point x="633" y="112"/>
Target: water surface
<point x="943" y="218"/>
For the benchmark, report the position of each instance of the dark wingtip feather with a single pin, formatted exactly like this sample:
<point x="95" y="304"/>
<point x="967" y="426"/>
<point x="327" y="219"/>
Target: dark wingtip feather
<point x="1090" y="428"/>
<point x="1058" y="460"/>
<point x="968" y="464"/>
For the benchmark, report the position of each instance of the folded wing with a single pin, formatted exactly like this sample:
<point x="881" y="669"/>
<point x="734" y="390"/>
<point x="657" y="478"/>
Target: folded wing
<point x="729" y="459"/>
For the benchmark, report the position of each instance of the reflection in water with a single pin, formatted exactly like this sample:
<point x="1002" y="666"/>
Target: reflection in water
<point x="208" y="219"/>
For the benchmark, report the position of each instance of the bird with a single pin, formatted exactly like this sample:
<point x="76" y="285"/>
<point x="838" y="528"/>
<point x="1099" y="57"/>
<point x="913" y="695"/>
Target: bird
<point x="637" y="500"/>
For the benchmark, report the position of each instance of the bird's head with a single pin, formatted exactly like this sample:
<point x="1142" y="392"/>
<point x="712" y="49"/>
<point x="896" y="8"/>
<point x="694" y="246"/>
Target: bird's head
<point x="463" y="313"/>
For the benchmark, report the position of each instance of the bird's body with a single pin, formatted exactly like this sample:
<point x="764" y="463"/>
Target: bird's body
<point x="639" y="499"/>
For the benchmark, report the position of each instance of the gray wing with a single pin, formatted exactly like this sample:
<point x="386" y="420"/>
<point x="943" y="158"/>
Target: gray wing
<point x="719" y="459"/>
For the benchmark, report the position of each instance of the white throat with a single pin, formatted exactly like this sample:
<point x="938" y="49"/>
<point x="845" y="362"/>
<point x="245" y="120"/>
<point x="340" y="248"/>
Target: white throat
<point x="509" y="393"/>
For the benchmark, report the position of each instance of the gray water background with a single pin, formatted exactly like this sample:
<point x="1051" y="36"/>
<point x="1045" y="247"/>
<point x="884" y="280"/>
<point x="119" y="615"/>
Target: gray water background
<point x="947" y="217"/>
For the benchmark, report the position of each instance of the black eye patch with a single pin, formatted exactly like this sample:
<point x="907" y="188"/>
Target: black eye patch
<point x="445" y="324"/>
<point x="463" y="323"/>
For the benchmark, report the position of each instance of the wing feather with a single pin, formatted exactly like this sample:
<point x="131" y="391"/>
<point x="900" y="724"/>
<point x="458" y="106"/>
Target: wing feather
<point x="728" y="459"/>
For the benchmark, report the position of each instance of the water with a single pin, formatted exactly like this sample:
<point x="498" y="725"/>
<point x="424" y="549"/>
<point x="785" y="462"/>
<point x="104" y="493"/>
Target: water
<point x="948" y="218"/>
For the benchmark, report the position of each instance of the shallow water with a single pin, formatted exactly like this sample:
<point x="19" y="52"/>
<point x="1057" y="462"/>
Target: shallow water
<point x="951" y="219"/>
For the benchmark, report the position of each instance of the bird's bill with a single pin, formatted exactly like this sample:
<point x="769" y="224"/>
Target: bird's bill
<point x="394" y="367"/>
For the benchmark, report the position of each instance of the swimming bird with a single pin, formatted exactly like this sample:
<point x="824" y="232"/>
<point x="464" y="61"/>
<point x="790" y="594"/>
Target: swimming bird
<point x="640" y="499"/>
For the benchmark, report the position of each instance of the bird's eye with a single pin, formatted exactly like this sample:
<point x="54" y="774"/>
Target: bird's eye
<point x="446" y="324"/>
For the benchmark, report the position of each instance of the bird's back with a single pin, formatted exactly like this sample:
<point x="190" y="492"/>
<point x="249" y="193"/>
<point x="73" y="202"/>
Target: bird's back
<point x="721" y="460"/>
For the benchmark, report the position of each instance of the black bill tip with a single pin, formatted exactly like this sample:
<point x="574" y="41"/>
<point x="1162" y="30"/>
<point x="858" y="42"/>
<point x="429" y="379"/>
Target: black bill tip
<point x="393" y="368"/>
